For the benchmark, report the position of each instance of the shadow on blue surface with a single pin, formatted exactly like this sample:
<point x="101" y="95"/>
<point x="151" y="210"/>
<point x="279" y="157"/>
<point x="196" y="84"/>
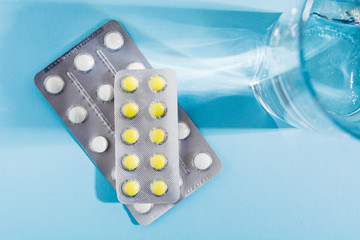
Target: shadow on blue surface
<point x="215" y="113"/>
<point x="290" y="184"/>
<point x="208" y="112"/>
<point x="46" y="40"/>
<point x="105" y="193"/>
<point x="220" y="112"/>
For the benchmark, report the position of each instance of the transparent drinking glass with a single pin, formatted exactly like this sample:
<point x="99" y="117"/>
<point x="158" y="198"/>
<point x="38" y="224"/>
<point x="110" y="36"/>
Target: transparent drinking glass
<point x="309" y="75"/>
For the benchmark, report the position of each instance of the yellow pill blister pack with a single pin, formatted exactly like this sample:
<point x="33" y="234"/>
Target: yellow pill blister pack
<point x="198" y="165"/>
<point x="146" y="135"/>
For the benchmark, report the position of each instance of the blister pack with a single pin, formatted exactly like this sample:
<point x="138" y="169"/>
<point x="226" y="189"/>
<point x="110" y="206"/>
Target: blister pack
<point x="198" y="164"/>
<point x="79" y="87"/>
<point x="84" y="102"/>
<point x="146" y="136"/>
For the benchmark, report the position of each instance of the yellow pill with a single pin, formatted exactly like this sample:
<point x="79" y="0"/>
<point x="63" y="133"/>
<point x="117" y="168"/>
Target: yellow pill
<point x="157" y="109"/>
<point x="130" y="136"/>
<point x="129" y="84"/>
<point x="130" y="162"/>
<point x="131" y="188"/>
<point x="157" y="83"/>
<point x="158" y="187"/>
<point x="157" y="136"/>
<point x="158" y="162"/>
<point x="130" y="110"/>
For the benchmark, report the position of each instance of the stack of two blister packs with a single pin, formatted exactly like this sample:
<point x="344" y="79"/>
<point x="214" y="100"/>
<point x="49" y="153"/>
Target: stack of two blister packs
<point x="125" y="116"/>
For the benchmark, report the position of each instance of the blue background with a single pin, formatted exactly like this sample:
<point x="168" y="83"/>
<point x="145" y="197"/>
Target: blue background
<point x="277" y="182"/>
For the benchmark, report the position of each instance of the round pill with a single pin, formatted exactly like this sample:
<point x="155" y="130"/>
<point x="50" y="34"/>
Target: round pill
<point x="158" y="136"/>
<point x="158" y="162"/>
<point x="77" y="114"/>
<point x="157" y="109"/>
<point x="131" y="188"/>
<point x="183" y="130"/>
<point x="130" y="162"/>
<point x="130" y="136"/>
<point x="202" y="161"/>
<point x="129" y="110"/>
<point x="84" y="62"/>
<point x="158" y="188"/>
<point x="106" y="92"/>
<point x="129" y="84"/>
<point x="135" y="66"/>
<point x="157" y="83"/>
<point x="99" y="144"/>
<point x="54" y="84"/>
<point x="113" y="40"/>
<point x="143" y="208"/>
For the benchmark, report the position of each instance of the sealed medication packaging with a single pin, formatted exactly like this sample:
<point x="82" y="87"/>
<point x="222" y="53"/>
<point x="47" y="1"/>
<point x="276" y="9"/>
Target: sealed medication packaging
<point x="198" y="164"/>
<point x="146" y="126"/>
<point x="105" y="92"/>
<point x="54" y="84"/>
<point x="66" y="86"/>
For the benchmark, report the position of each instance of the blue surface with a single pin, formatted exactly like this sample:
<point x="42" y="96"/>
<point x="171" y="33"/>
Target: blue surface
<point x="277" y="183"/>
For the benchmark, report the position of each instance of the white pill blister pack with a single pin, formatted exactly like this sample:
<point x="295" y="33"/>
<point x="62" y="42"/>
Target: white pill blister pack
<point x="146" y="136"/>
<point x="79" y="86"/>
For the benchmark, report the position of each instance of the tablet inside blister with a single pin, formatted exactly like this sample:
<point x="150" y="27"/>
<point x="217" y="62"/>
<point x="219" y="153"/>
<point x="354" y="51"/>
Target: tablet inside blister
<point x="81" y="92"/>
<point x="146" y="136"/>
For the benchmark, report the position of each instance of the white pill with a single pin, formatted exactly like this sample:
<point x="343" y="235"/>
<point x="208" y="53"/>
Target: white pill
<point x="135" y="66"/>
<point x="106" y="92"/>
<point x="183" y="130"/>
<point x="202" y="161"/>
<point x="99" y="144"/>
<point x="143" y="207"/>
<point x="84" y="62"/>
<point x="54" y="84"/>
<point x="113" y="40"/>
<point x="77" y="114"/>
